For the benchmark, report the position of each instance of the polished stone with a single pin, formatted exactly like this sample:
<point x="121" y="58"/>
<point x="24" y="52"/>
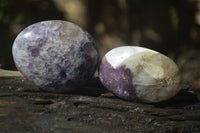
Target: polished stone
<point x="139" y="74"/>
<point x="56" y="55"/>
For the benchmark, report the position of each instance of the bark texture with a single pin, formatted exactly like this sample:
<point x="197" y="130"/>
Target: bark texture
<point x="91" y="109"/>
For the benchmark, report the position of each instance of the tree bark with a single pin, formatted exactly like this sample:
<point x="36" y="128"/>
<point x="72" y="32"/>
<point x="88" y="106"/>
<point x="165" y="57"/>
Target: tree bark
<point x="91" y="109"/>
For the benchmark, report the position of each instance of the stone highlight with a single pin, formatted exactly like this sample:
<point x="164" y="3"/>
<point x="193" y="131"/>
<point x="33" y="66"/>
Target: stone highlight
<point x="139" y="74"/>
<point x="56" y="55"/>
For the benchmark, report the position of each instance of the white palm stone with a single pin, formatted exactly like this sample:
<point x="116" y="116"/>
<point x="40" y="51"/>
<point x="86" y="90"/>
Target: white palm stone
<point x="139" y="74"/>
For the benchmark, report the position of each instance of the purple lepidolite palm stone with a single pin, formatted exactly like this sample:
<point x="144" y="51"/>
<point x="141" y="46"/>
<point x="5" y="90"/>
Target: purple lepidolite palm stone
<point x="56" y="55"/>
<point x="139" y="74"/>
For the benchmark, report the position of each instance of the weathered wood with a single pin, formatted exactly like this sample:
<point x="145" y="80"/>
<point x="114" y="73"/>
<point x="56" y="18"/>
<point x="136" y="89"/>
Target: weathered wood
<point x="7" y="73"/>
<point x="91" y="109"/>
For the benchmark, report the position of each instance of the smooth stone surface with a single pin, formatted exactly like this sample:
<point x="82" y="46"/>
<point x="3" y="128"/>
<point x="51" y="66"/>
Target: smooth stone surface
<point x="139" y="74"/>
<point x="56" y="55"/>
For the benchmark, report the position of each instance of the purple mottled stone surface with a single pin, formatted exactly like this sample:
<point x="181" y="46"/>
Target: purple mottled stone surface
<point x="139" y="74"/>
<point x="117" y="80"/>
<point x="56" y="55"/>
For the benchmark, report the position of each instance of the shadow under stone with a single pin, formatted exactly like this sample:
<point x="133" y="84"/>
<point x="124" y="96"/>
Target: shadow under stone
<point x="183" y="98"/>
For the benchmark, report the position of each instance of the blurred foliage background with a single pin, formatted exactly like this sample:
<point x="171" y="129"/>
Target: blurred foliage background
<point x="171" y="27"/>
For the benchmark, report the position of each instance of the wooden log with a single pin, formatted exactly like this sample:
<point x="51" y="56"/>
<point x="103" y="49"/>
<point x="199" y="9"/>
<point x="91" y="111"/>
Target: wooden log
<point x="91" y="109"/>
